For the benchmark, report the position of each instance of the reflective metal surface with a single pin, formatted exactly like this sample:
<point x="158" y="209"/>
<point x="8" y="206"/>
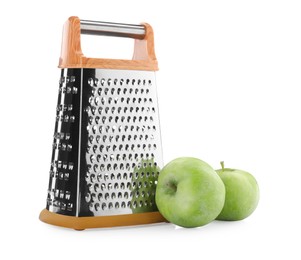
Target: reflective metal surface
<point x="108" y="131"/>
<point x="112" y="29"/>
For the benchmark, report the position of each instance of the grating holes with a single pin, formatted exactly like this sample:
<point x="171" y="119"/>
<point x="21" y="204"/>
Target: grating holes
<point x="103" y="206"/>
<point x="110" y="205"/>
<point x="102" y="186"/>
<point x="103" y="100"/>
<point x="95" y="167"/>
<point x="106" y="176"/>
<point x="121" y="82"/>
<point x="116" y="186"/>
<point x="101" y="147"/>
<point x="127" y="147"/>
<point x="112" y="176"/>
<point x="96" y="187"/>
<point x="129" y="204"/>
<point x="92" y="158"/>
<point x="121" y="166"/>
<point x="99" y="91"/>
<point x="88" y="197"/>
<point x="102" y="167"/>
<point x="134" y="205"/>
<point x="97" y="119"/>
<point x="119" y="176"/>
<point x="109" y="82"/>
<point x="116" y="205"/>
<point x="109" y="167"/>
<point x="113" y="195"/>
<point x="119" y="195"/>
<point x="127" y="81"/>
<point x="131" y="90"/>
<point x="91" y="82"/>
<point x="91" y="138"/>
<point x="124" y="91"/>
<point x="96" y="101"/>
<point x="119" y="110"/>
<point x="126" y="195"/>
<point x="99" y="177"/>
<point x="123" y="204"/>
<point x="127" y="166"/>
<point x="100" y="110"/>
<point x="136" y="91"/>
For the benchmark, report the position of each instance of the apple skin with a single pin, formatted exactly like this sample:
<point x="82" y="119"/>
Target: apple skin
<point x="242" y="194"/>
<point x="189" y="192"/>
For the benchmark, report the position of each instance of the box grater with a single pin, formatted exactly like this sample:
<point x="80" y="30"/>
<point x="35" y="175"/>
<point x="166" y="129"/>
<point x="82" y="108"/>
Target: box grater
<point x="107" y="151"/>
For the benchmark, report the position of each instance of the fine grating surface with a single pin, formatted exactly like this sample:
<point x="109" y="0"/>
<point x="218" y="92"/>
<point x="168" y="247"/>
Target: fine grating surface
<point x="120" y="144"/>
<point x="62" y="190"/>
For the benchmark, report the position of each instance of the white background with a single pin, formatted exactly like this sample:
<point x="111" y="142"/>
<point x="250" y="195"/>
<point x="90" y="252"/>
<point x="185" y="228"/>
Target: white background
<point x="229" y="89"/>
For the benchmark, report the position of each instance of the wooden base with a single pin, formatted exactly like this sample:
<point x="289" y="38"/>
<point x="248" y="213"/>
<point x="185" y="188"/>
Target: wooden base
<point x="81" y="223"/>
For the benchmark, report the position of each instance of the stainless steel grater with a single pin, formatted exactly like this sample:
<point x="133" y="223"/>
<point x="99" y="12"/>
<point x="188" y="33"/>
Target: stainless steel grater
<point x="106" y="147"/>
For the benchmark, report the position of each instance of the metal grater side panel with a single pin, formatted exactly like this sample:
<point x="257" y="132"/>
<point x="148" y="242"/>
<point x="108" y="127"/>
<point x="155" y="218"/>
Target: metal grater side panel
<point x="121" y="151"/>
<point x="63" y="180"/>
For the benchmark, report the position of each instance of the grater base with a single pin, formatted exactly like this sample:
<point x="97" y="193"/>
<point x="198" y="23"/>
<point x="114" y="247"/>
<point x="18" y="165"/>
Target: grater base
<point x="81" y="223"/>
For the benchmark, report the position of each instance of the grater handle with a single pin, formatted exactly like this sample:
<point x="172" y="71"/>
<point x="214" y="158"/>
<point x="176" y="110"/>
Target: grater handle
<point x="144" y="57"/>
<point x="112" y="29"/>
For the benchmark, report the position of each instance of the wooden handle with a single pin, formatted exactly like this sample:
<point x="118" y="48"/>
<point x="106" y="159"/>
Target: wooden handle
<point x="144" y="57"/>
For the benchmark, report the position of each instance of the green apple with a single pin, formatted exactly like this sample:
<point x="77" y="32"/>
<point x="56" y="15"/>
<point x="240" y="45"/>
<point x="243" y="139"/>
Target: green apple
<point x="242" y="194"/>
<point x="189" y="192"/>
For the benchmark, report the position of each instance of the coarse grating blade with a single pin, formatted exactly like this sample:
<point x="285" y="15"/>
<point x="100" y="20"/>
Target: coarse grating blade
<point x="107" y="151"/>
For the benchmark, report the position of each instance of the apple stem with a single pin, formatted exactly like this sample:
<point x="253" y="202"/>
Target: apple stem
<point x="223" y="165"/>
